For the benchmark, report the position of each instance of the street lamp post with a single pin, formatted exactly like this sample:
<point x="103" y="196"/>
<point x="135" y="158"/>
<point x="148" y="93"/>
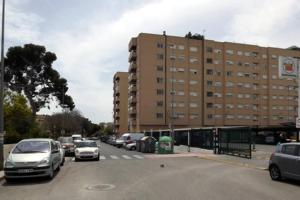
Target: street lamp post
<point x="2" y="90"/>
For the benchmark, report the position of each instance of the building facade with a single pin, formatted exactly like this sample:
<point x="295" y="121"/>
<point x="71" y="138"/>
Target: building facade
<point x="194" y="83"/>
<point x="120" y="103"/>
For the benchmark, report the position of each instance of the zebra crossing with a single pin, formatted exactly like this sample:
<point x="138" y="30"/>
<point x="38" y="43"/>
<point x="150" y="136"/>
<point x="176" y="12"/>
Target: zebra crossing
<point x="118" y="157"/>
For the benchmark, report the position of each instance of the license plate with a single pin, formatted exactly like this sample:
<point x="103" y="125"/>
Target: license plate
<point x="25" y="170"/>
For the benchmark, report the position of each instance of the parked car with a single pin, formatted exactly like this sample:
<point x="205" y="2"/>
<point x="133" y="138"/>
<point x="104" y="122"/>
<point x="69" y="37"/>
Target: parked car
<point x="111" y="140"/>
<point x="62" y="153"/>
<point x="129" y="138"/>
<point x="67" y="144"/>
<point x="32" y="158"/>
<point x="76" y="137"/>
<point x="87" y="149"/>
<point x="285" y="161"/>
<point x="131" y="146"/>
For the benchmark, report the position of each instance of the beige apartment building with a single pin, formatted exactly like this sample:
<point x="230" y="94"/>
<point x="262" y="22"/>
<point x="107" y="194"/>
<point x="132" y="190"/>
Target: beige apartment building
<point x="197" y="83"/>
<point x="121" y="102"/>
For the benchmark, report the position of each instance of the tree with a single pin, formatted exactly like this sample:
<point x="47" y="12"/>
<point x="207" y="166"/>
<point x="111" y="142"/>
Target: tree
<point x="196" y="36"/>
<point x="19" y="121"/>
<point x="29" y="69"/>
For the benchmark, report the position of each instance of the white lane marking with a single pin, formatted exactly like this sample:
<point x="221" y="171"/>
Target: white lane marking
<point x="102" y="157"/>
<point x="114" y="157"/>
<point x="137" y="156"/>
<point x="126" y="157"/>
<point x="73" y="159"/>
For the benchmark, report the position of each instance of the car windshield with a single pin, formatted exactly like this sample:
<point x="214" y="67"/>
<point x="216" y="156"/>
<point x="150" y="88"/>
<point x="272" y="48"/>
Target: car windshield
<point x="76" y="138"/>
<point x="86" y="144"/>
<point x="32" y="147"/>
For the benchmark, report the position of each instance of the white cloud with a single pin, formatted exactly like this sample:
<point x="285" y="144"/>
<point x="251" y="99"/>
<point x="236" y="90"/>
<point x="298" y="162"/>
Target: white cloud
<point x="93" y="51"/>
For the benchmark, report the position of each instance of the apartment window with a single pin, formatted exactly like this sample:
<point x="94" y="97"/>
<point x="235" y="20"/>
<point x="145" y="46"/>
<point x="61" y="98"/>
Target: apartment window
<point x="209" y="60"/>
<point x="209" y="105"/>
<point x="209" y="94"/>
<point x="193" y="94"/>
<point x="172" y="46"/>
<point x="218" y="51"/>
<point x="218" y="84"/>
<point x="159" y="91"/>
<point x="159" y="80"/>
<point x="218" y="95"/>
<point x="209" y="83"/>
<point x="274" y="108"/>
<point x="240" y="96"/>
<point x="265" y="87"/>
<point x="274" y="77"/>
<point x="219" y="73"/>
<point x="239" y="63"/>
<point x="274" y="87"/>
<point x="274" y="66"/>
<point x="274" y="97"/>
<point x="172" y="57"/>
<point x="240" y="85"/>
<point x="194" y="116"/>
<point x="209" y="72"/>
<point x="264" y="76"/>
<point x="247" y="53"/>
<point x="229" y="62"/>
<point x="229" y="52"/>
<point x="247" y="85"/>
<point x="193" y="49"/>
<point x="274" y="57"/>
<point x="229" y="106"/>
<point x="193" y="82"/>
<point x="180" y="115"/>
<point x="173" y="80"/>
<point x="181" y="81"/>
<point x="240" y="106"/>
<point x="240" y="74"/>
<point x="281" y="97"/>
<point x="160" y="56"/>
<point x="193" y="105"/>
<point x="217" y="105"/>
<point x="159" y="68"/>
<point x="247" y="75"/>
<point x="229" y="73"/>
<point x="229" y="94"/>
<point x="209" y="116"/>
<point x="159" y="115"/>
<point x="254" y="54"/>
<point x="160" y="45"/>
<point x="159" y="103"/>
<point x="229" y="84"/>
<point x="240" y="117"/>
<point x="173" y="69"/>
<point x="180" y="69"/>
<point x="193" y="60"/>
<point x="265" y="108"/>
<point x="239" y="53"/>
<point x="181" y="58"/>
<point x="181" y="104"/>
<point x="247" y="96"/>
<point x="173" y="105"/>
<point x="180" y="47"/>
<point x="209" y="49"/>
<point x="194" y="71"/>
<point x="229" y="117"/>
<point x="264" y="56"/>
<point x="180" y="93"/>
<point x="265" y="97"/>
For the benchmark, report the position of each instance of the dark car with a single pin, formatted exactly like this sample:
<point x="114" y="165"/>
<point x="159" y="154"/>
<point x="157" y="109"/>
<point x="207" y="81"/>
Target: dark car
<point x="67" y="144"/>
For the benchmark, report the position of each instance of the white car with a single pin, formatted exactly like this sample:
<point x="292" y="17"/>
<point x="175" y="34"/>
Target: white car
<point x="62" y="153"/>
<point x="32" y="158"/>
<point x="87" y="149"/>
<point x="131" y="146"/>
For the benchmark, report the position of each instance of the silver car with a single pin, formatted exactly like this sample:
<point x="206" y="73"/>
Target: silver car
<point x="32" y="158"/>
<point x="285" y="161"/>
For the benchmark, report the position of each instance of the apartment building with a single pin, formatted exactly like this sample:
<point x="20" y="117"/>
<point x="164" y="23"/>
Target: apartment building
<point x="194" y="83"/>
<point x="121" y="102"/>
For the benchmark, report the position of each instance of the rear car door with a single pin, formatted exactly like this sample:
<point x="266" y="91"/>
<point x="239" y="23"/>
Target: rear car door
<point x="297" y="165"/>
<point x="55" y="154"/>
<point x="288" y="160"/>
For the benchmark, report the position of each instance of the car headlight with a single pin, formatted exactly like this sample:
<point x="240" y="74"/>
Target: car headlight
<point x="44" y="161"/>
<point x="9" y="164"/>
<point x="96" y="151"/>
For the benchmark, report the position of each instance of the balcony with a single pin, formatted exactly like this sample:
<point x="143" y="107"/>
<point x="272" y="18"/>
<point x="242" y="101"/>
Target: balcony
<point x="132" y="100"/>
<point x="132" y="56"/>
<point x="132" y="110"/>
<point x="132" y="67"/>
<point x="132" y="121"/>
<point x="132" y="44"/>
<point x="117" y="108"/>
<point x="132" y="78"/>
<point x="132" y="88"/>
<point x="117" y="100"/>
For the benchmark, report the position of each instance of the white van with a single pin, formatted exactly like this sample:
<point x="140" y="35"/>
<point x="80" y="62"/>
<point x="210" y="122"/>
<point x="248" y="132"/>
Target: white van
<point x="128" y="138"/>
<point x="76" y="137"/>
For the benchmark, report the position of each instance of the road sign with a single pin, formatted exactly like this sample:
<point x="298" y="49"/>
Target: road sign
<point x="298" y="122"/>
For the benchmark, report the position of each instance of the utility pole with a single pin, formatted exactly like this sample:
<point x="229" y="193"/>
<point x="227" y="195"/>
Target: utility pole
<point x="2" y="90"/>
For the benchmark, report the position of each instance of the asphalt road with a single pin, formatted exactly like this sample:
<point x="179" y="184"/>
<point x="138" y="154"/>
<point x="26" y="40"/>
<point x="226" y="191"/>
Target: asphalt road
<point x="180" y="178"/>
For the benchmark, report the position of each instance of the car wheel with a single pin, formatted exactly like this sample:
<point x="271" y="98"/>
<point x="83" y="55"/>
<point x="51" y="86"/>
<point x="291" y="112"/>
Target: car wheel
<point x="275" y="173"/>
<point x="51" y="175"/>
<point x="133" y="148"/>
<point x="98" y="158"/>
<point x="76" y="159"/>
<point x="58" y="168"/>
<point x="63" y="162"/>
<point x="8" y="180"/>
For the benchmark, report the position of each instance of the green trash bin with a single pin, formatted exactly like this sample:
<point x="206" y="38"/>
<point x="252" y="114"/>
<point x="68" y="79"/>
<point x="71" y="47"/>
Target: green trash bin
<point x="165" y="145"/>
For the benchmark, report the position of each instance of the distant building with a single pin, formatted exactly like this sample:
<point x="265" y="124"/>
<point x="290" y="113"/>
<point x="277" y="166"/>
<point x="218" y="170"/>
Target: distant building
<point x="198" y="83"/>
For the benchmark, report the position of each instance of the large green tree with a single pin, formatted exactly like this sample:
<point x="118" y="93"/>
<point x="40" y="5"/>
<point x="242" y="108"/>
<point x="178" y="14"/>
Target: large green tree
<point x="29" y="69"/>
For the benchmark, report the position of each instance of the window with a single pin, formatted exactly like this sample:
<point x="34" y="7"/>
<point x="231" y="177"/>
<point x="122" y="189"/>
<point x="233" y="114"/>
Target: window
<point x="265" y="97"/>
<point x="209" y="60"/>
<point x="159" y="103"/>
<point x="254" y="54"/>
<point x="193" y="60"/>
<point x="159" y="68"/>
<point x="180" y="93"/>
<point x="209" y="83"/>
<point x="209" y="72"/>
<point x="218" y="84"/>
<point x="194" y="71"/>
<point x="181" y="58"/>
<point x="209" y="116"/>
<point x="181" y="81"/>
<point x="216" y="62"/>
<point x="180" y="69"/>
<point x="181" y="104"/>
<point x="180" y="47"/>
<point x="194" y="116"/>
<point x="193" y="105"/>
<point x="193" y="94"/>
<point x="229" y="62"/>
<point x="240" y="96"/>
<point x="264" y="56"/>
<point x="239" y="53"/>
<point x="289" y="149"/>
<point x="229" y="106"/>
<point x="192" y="82"/>
<point x="265" y="87"/>
<point x="180" y="115"/>
<point x="229" y="84"/>
<point x="229" y="52"/>
<point x="209" y="94"/>
<point x="229" y="73"/>
<point x="229" y="117"/>
<point x="240" y="74"/>
<point x="229" y="94"/>
<point x="218" y="51"/>
<point x="172" y="57"/>
<point x="247" y="96"/>
<point x="247" y="53"/>
<point x="172" y="46"/>
<point x="193" y="49"/>
<point x="209" y="49"/>
<point x="264" y="76"/>
<point x="240" y="106"/>
<point x="274" y="66"/>
<point x="159" y="115"/>
<point x="217" y="105"/>
<point x="160" y="45"/>
<point x="160" y="56"/>
<point x="159" y="91"/>
<point x="247" y="85"/>
<point x="274" y="77"/>
<point x="159" y="80"/>
<point x="172" y="104"/>
<point x="218" y="95"/>
<point x="274" y="57"/>
<point x="209" y="105"/>
<point x="173" y="69"/>
<point x="239" y="63"/>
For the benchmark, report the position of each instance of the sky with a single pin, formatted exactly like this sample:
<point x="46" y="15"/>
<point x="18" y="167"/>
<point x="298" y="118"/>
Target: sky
<point x="90" y="37"/>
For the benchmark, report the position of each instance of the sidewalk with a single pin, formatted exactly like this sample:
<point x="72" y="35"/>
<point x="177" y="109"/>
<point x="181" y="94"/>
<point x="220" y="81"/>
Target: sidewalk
<point x="259" y="160"/>
<point x="1" y="175"/>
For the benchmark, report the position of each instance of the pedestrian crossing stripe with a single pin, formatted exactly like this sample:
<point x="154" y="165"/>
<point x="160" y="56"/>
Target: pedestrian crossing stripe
<point x="126" y="157"/>
<point x="102" y="158"/>
<point x="114" y="157"/>
<point x="137" y="156"/>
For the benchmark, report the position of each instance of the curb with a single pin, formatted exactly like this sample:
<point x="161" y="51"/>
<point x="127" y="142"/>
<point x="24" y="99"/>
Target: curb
<point x="235" y="163"/>
<point x="1" y="175"/>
